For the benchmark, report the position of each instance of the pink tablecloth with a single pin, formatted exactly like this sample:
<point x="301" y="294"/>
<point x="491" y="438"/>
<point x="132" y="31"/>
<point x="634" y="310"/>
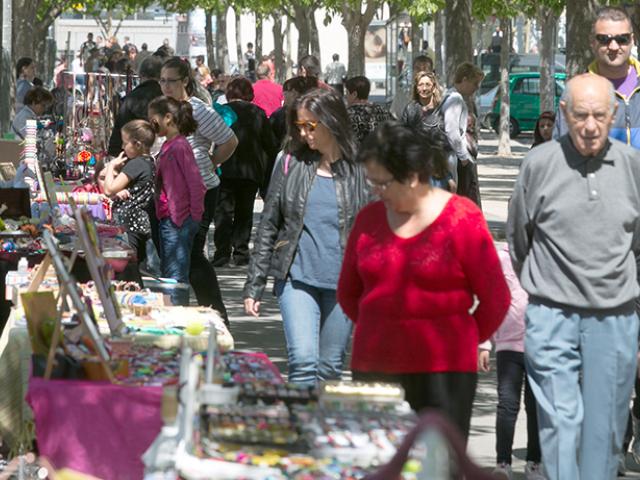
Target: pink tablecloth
<point x="95" y="428"/>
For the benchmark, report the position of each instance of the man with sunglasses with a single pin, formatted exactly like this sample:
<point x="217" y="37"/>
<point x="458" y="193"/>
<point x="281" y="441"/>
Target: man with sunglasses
<point x="611" y="42"/>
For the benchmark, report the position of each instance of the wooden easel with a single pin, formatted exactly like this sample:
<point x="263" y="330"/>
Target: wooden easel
<point x="69" y="289"/>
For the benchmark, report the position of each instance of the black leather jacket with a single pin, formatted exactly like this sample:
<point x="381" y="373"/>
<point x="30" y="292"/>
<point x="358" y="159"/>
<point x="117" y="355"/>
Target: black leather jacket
<point x="283" y="216"/>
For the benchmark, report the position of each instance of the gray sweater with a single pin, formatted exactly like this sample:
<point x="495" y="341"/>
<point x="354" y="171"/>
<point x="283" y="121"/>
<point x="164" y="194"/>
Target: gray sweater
<point x="574" y="225"/>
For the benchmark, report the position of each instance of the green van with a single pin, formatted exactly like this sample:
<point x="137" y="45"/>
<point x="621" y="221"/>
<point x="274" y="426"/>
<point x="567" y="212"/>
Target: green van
<point x="524" y="90"/>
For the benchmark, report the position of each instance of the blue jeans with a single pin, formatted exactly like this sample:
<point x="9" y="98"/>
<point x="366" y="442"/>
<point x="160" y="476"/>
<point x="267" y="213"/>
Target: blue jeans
<point x="581" y="368"/>
<point x="175" y="255"/>
<point x="316" y="330"/>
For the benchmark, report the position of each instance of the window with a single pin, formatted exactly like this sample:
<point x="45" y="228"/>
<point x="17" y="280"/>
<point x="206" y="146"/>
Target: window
<point x="528" y="86"/>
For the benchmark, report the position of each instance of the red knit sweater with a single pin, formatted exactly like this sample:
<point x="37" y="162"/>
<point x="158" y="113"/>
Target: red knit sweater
<point x="410" y="298"/>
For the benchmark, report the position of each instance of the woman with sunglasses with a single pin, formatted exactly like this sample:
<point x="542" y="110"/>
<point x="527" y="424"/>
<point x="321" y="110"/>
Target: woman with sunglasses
<point x="414" y="263"/>
<point x="212" y="143"/>
<point x="315" y="193"/>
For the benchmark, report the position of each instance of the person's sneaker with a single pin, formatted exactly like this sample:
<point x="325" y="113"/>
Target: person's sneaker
<point x="622" y="464"/>
<point x="503" y="470"/>
<point x="533" y="471"/>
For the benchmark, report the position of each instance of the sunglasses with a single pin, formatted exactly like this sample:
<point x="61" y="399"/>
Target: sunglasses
<point x="622" y="39"/>
<point x="308" y="126"/>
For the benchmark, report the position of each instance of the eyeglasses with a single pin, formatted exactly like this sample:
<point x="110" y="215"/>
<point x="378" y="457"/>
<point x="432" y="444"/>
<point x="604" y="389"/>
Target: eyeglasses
<point x="382" y="186"/>
<point x="308" y="126"/>
<point x="621" y="39"/>
<point x="164" y="81"/>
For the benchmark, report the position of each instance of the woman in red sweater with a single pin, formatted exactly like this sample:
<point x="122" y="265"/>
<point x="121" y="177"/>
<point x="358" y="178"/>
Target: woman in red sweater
<point x="413" y="264"/>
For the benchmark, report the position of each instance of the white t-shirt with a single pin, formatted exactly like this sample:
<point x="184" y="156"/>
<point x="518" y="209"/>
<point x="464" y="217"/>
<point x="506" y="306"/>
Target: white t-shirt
<point x="211" y="131"/>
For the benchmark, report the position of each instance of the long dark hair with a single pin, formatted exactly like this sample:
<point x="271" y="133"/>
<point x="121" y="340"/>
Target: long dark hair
<point x="181" y="111"/>
<point x="537" y="138"/>
<point x="184" y="71"/>
<point x="330" y="111"/>
<point x="22" y="63"/>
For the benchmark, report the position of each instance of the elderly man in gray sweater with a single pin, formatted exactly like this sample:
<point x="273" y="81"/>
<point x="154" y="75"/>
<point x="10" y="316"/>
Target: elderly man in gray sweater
<point x="574" y="233"/>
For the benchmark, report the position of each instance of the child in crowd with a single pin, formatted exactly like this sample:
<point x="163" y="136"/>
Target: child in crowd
<point x="179" y="190"/>
<point x="441" y="176"/>
<point x="132" y="176"/>
<point x="509" y="342"/>
<point x="544" y="128"/>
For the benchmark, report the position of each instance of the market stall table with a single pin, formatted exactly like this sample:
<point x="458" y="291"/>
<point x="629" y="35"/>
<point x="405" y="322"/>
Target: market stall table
<point x="103" y="429"/>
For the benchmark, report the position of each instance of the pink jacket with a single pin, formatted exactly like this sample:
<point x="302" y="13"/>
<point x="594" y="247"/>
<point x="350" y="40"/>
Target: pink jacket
<point x="510" y="335"/>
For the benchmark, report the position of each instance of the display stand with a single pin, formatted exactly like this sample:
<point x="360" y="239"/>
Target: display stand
<point x="69" y="288"/>
<point x="99" y="270"/>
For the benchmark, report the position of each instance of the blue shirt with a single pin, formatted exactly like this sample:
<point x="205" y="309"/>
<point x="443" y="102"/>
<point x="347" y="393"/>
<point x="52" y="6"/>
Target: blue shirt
<point x="318" y="257"/>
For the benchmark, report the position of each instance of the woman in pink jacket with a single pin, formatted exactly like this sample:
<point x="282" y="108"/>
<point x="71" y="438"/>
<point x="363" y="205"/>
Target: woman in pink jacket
<point x="509" y="343"/>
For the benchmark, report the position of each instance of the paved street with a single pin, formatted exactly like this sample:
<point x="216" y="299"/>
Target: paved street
<point x="497" y="176"/>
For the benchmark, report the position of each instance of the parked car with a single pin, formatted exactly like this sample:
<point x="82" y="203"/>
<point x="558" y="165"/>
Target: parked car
<point x="524" y="92"/>
<point x="484" y="106"/>
<point x="518" y="63"/>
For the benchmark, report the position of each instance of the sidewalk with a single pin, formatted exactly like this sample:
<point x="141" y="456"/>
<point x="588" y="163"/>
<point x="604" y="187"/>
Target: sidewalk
<point x="497" y="176"/>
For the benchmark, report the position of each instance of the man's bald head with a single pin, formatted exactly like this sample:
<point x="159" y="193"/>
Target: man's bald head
<point x="591" y="83"/>
<point x="589" y="105"/>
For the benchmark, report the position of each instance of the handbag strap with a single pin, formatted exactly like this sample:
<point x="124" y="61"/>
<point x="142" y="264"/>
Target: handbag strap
<point x="432" y="420"/>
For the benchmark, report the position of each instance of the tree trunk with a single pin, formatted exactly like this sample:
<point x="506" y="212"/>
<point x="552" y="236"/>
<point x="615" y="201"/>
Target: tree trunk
<point x="458" y="48"/>
<point x="356" y="24"/>
<point x="416" y="37"/>
<point x="580" y="15"/>
<point x="222" y="46"/>
<point x="241" y="66"/>
<point x="302" y="25"/>
<point x="278" y="40"/>
<point x="289" y="52"/>
<point x="547" y="21"/>
<point x="314" y="36"/>
<point x="356" y="35"/>
<point x="258" y="41"/>
<point x="438" y="38"/>
<point x="7" y="76"/>
<point x="504" y="143"/>
<point x="635" y="21"/>
<point x="208" y="32"/>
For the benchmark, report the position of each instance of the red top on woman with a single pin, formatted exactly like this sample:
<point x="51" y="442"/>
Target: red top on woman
<point x="410" y="297"/>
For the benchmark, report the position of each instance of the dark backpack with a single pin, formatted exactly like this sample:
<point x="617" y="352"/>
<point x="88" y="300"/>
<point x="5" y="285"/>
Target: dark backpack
<point x="433" y="124"/>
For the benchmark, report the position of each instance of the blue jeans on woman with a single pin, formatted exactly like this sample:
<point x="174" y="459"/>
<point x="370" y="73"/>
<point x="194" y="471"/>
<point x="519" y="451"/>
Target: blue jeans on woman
<point x="317" y="332"/>
<point x="175" y="255"/>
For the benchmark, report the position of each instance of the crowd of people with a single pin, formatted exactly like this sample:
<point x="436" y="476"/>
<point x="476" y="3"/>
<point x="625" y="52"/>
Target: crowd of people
<point x="372" y="228"/>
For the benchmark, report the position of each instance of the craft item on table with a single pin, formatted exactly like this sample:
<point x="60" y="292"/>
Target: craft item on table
<point x="46" y="142"/>
<point x="248" y="367"/>
<point x="289" y="393"/>
<point x="248" y="425"/>
<point x="182" y="317"/>
<point x="7" y="171"/>
<point x="40" y="311"/>
<point x="360" y="438"/>
<point x="81" y="198"/>
<point x="30" y="151"/>
<point x="339" y="393"/>
<point x="146" y="364"/>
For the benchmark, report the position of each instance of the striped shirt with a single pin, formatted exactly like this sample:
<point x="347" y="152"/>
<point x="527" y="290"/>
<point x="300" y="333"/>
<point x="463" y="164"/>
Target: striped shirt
<point x="211" y="130"/>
